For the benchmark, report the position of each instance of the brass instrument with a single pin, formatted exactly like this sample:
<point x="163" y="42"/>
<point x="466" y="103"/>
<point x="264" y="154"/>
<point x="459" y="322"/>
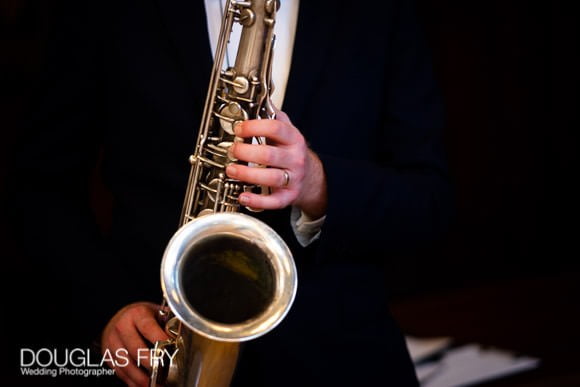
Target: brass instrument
<point x="226" y="277"/>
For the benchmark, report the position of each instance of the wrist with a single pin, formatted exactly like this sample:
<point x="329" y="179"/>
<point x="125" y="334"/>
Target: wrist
<point x="313" y="200"/>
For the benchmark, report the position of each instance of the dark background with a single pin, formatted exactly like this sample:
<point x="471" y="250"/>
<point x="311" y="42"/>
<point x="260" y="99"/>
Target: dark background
<point x="507" y="274"/>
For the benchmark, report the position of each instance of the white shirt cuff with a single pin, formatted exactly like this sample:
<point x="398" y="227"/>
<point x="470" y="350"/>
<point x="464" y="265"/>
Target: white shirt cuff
<point x="307" y="230"/>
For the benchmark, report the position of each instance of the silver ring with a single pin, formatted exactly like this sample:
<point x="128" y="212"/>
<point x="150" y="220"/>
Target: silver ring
<point x="286" y="178"/>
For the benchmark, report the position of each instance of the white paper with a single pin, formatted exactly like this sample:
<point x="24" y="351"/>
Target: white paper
<point x="471" y="364"/>
<point x="422" y="348"/>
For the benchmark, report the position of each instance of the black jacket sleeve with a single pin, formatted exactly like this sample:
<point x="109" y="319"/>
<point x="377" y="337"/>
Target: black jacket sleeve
<point x="400" y="195"/>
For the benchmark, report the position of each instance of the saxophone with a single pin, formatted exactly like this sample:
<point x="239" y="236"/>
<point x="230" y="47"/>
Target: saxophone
<point x="226" y="277"/>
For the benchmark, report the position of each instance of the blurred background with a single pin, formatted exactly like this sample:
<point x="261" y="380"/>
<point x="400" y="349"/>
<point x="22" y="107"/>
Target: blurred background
<point x="508" y="272"/>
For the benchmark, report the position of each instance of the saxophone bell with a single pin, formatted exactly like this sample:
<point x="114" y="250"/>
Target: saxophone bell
<point x="228" y="277"/>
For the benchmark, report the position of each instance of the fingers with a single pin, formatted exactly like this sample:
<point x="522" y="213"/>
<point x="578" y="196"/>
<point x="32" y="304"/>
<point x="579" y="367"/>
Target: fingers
<point x="278" y="199"/>
<point x="286" y="157"/>
<point x="279" y="131"/>
<point x="283" y="181"/>
<point x="128" y="371"/>
<point x="280" y="115"/>
<point x="294" y="171"/>
<point x="270" y="177"/>
<point x="135" y="345"/>
<point x="127" y="333"/>
<point x="263" y="154"/>
<point x="149" y="327"/>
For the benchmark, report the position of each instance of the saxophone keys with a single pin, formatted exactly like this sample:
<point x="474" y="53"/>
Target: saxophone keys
<point x="241" y="84"/>
<point x="272" y="5"/>
<point x="247" y="17"/>
<point x="230" y="115"/>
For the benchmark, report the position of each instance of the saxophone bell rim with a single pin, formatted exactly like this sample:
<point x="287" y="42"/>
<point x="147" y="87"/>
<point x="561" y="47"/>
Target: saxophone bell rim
<point x="239" y="226"/>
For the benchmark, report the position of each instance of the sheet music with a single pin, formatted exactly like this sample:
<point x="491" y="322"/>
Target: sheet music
<point x="465" y="365"/>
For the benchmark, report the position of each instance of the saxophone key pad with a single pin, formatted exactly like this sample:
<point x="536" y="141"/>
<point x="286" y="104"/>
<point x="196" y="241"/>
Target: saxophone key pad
<point x="230" y="114"/>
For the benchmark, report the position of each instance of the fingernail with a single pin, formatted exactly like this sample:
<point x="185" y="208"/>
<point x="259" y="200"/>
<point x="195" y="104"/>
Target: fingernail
<point x="238" y="128"/>
<point x="243" y="200"/>
<point x="231" y="152"/>
<point x="231" y="170"/>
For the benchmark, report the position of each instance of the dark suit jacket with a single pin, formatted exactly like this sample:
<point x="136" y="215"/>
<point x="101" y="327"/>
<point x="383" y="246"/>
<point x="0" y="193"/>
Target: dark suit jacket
<point x="124" y="89"/>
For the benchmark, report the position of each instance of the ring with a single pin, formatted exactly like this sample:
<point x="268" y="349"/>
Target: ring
<point x="286" y="178"/>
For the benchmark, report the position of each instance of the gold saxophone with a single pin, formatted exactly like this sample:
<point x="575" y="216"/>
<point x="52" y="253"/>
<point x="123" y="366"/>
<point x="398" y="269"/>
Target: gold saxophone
<point x="226" y="277"/>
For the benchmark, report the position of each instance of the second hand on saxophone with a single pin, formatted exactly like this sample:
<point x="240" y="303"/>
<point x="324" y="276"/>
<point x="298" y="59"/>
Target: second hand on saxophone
<point x="226" y="277"/>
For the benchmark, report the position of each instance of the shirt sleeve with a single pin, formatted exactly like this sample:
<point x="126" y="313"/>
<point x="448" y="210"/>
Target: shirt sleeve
<point x="306" y="229"/>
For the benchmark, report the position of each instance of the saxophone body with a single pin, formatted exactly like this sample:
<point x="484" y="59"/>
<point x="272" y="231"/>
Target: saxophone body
<point x="226" y="276"/>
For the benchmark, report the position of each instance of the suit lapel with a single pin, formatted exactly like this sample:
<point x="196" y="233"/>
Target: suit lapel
<point x="317" y="22"/>
<point x="186" y="26"/>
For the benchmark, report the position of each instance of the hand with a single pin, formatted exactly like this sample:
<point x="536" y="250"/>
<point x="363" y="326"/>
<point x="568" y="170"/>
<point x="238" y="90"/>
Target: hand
<point x="286" y="152"/>
<point x="125" y="332"/>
